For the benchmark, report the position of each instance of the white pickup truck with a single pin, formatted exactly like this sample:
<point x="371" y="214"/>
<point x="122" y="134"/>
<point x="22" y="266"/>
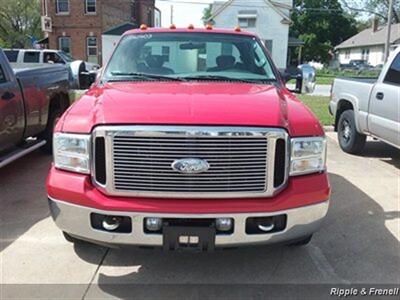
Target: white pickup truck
<point x="364" y="107"/>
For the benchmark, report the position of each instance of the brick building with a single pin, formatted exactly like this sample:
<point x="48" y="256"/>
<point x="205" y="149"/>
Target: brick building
<point x="76" y="26"/>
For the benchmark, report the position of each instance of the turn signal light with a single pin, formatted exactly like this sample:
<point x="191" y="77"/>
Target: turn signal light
<point x="143" y="27"/>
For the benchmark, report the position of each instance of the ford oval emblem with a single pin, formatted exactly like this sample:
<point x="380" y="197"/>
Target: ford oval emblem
<point x="190" y="165"/>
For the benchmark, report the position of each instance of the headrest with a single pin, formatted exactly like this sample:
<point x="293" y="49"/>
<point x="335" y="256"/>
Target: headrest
<point x="155" y="61"/>
<point x="225" y="61"/>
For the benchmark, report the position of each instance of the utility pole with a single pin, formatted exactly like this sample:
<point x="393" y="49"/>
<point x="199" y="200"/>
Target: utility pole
<point x="388" y="29"/>
<point x="172" y="14"/>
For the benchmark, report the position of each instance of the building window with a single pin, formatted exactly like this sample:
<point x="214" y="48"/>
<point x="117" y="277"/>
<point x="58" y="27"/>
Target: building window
<point x="165" y="53"/>
<point x="64" y="44"/>
<point x="268" y="45"/>
<point x="62" y="6"/>
<point x="347" y="54"/>
<point x="90" y="6"/>
<point x="365" y="54"/>
<point x="247" y="22"/>
<point x="91" y="46"/>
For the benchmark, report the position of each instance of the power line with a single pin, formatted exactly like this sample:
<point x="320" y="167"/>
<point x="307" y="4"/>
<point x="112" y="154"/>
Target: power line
<point x="254" y="5"/>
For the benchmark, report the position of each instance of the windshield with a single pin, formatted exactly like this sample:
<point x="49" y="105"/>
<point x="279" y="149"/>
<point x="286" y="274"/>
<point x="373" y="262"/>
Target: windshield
<point x="189" y="56"/>
<point x="66" y="56"/>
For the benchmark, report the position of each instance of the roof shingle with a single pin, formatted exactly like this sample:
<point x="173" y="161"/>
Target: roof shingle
<point x="369" y="38"/>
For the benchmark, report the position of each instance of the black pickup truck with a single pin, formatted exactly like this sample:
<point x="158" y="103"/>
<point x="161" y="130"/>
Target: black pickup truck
<point x="31" y="100"/>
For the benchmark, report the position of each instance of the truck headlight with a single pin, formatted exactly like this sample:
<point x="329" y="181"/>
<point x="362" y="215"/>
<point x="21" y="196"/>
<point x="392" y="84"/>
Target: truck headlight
<point x="308" y="155"/>
<point x="72" y="152"/>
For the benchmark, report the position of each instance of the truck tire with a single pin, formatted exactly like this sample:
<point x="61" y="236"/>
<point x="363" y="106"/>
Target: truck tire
<point x="47" y="134"/>
<point x="302" y="242"/>
<point x="349" y="139"/>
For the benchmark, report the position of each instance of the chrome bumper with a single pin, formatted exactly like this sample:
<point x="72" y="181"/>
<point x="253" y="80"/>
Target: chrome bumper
<point x="75" y="220"/>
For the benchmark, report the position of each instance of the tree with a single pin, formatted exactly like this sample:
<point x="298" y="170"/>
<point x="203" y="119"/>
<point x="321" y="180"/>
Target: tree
<point x="378" y="8"/>
<point x="207" y="13"/>
<point x="19" y="21"/>
<point x="321" y="24"/>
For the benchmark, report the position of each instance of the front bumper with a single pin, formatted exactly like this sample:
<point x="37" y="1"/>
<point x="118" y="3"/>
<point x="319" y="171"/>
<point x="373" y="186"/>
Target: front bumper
<point x="75" y="220"/>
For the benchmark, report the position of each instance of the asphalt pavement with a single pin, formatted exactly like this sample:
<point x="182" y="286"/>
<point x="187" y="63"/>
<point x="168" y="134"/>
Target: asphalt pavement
<point x="358" y="243"/>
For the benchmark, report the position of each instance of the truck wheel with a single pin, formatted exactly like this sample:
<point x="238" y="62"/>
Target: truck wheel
<point x="302" y="242"/>
<point x="349" y="139"/>
<point x="47" y="134"/>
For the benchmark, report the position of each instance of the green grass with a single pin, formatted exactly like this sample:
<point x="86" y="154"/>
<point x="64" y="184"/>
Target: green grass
<point x="324" y="79"/>
<point x="319" y="106"/>
<point x="326" y="76"/>
<point x="75" y="95"/>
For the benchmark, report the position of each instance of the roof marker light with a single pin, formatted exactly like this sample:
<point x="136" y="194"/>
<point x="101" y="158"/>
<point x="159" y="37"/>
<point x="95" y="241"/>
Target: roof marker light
<point x="143" y="27"/>
<point x="237" y="29"/>
<point x="191" y="26"/>
<point x="172" y="26"/>
<point x="209" y="27"/>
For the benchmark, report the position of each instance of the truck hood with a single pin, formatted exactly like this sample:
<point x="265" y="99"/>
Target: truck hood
<point x="190" y="103"/>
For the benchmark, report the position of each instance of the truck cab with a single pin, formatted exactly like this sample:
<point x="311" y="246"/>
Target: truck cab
<point x="189" y="140"/>
<point x="364" y="107"/>
<point x="31" y="100"/>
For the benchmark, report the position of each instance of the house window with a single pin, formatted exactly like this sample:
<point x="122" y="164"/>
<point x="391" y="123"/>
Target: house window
<point x="165" y="53"/>
<point x="91" y="45"/>
<point x="268" y="45"/>
<point x="347" y="54"/>
<point x="247" y="22"/>
<point x="62" y="6"/>
<point x="365" y="54"/>
<point x="90" y="6"/>
<point x="64" y="44"/>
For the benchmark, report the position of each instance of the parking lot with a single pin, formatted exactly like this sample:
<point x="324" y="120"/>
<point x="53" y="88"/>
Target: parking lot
<point x="358" y="243"/>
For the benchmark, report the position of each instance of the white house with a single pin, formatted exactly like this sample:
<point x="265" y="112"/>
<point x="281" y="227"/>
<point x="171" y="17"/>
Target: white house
<point x="270" y="20"/>
<point x="368" y="45"/>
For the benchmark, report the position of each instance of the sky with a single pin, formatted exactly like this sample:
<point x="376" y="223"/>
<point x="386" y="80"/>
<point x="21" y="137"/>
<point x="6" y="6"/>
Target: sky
<point x="185" y="12"/>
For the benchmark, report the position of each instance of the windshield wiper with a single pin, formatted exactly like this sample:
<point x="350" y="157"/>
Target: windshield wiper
<point x="225" y="78"/>
<point x="142" y="76"/>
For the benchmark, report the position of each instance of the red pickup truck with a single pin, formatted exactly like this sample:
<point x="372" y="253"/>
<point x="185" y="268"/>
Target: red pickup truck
<point x="189" y="139"/>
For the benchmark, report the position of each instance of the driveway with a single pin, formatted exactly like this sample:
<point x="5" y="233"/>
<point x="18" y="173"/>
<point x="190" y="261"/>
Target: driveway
<point x="358" y="244"/>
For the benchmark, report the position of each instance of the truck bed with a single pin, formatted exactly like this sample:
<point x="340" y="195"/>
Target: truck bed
<point x="24" y="70"/>
<point x="369" y="80"/>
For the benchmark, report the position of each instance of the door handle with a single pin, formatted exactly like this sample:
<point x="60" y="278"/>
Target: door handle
<point x="7" y="96"/>
<point x="380" y="96"/>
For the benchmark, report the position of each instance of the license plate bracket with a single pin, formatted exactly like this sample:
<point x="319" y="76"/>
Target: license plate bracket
<point x="184" y="238"/>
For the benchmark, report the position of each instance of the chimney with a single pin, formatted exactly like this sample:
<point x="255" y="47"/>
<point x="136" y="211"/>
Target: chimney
<point x="375" y="24"/>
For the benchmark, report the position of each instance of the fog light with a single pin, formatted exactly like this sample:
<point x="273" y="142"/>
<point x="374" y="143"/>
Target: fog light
<point x="223" y="224"/>
<point x="153" y="224"/>
<point x="111" y="223"/>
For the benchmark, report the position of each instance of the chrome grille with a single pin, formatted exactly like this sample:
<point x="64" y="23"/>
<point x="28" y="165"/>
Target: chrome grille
<point x="139" y="161"/>
<point x="144" y="164"/>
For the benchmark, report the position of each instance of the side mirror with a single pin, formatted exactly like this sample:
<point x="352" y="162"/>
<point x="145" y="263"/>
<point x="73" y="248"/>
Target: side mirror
<point x="80" y="78"/>
<point x="304" y="76"/>
<point x="308" y="79"/>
